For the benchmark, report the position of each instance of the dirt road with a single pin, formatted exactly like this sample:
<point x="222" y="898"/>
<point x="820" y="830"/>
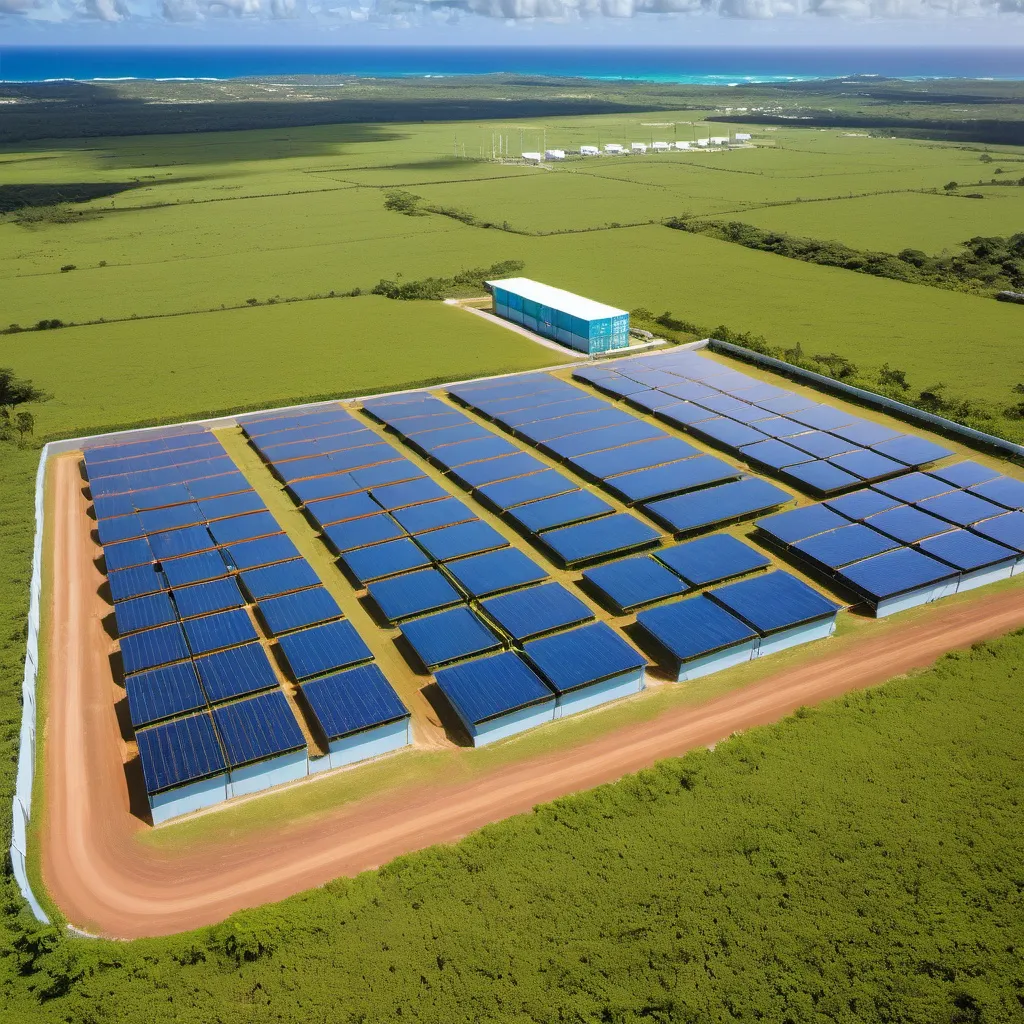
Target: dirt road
<point x="107" y="882"/>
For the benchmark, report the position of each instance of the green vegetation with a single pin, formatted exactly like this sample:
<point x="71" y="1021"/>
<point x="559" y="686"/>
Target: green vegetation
<point x="467" y="283"/>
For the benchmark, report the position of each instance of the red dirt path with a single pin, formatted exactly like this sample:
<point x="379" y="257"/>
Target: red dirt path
<point x="105" y="881"/>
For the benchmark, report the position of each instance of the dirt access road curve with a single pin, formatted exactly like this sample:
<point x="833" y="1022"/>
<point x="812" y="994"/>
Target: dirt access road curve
<point x="105" y="881"/>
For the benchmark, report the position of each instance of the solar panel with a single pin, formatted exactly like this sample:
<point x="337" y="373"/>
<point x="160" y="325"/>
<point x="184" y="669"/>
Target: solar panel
<point x="774" y="601"/>
<point x="295" y="470"/>
<point x="359" y="458"/>
<point x="116" y="505"/>
<point x="675" y="478"/>
<point x="588" y="441"/>
<point x="178" y="752"/>
<point x="725" y="432"/>
<point x="271" y="580"/>
<point x="866" y="464"/>
<point x="432" y="440"/>
<point x="861" y="504"/>
<point x="235" y="672"/>
<point x="632" y="457"/>
<point x="895" y="572"/>
<point x="325" y="648"/>
<point x="821" y="478"/>
<point x="448" y="636"/>
<point x="464" y="539"/>
<point x="823" y="417"/>
<point x="352" y="701"/>
<point x="781" y="427"/>
<point x="598" y="538"/>
<point x="360" y="533"/>
<point x="572" y="507"/>
<point x="693" y="629"/>
<point x="238" y="528"/>
<point x="689" y="391"/>
<point x="127" y="554"/>
<point x="836" y="548"/>
<point x="726" y="405"/>
<point x="413" y="594"/>
<point x="218" y="486"/>
<point x="159" y="497"/>
<point x="414" y="424"/>
<point x="258" y="728"/>
<point x="494" y="571"/>
<point x="864" y="434"/>
<point x="960" y="507"/>
<point x="775" y="454"/>
<point x="1007" y="529"/>
<point x="120" y="528"/>
<point x="549" y="430"/>
<point x="967" y="551"/>
<point x="153" y="647"/>
<point x="799" y="523"/>
<point x="413" y="492"/>
<point x="1003" y="490"/>
<point x="529" y="613"/>
<point x="231" y="505"/>
<point x="176" y="543"/>
<point x="509" y="493"/>
<point x="787" y="404"/>
<point x="490" y="687"/>
<point x="914" y="451"/>
<point x="582" y="656"/>
<point x="618" y="386"/>
<point x="324" y="487"/>
<point x="478" y="474"/>
<point x="380" y="560"/>
<point x="144" y="612"/>
<point x="342" y="509"/>
<point x="571" y="406"/>
<point x="649" y="401"/>
<point x="633" y="582"/>
<point x="821" y="445"/>
<point x="158" y="520"/>
<point x="222" y="629"/>
<point x="914" y="487"/>
<point x="206" y="565"/>
<point x="908" y="524"/>
<point x="434" y="515"/>
<point x="720" y="504"/>
<point x="163" y="693"/>
<point x="686" y="414"/>
<point x="965" y="474"/>
<point x="395" y="472"/>
<point x="711" y="559"/>
<point x="293" y="611"/>
<point x="473" y="451"/>
<point x="203" y="598"/>
<point x="250" y="554"/>
<point x="136" y="581"/>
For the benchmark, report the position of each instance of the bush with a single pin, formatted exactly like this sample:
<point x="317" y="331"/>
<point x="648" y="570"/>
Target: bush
<point x="67" y="267"/>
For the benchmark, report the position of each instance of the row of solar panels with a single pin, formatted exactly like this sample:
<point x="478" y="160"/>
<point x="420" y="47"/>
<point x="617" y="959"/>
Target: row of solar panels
<point x="814" y="445"/>
<point x="916" y="531"/>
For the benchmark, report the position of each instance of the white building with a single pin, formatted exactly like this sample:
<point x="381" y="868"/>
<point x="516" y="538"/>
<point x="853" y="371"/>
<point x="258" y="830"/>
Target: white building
<point x="533" y="158"/>
<point x="589" y="151"/>
<point x="742" y="136"/>
<point x="661" y="147"/>
<point x="719" y="140"/>
<point x="613" y="147"/>
<point x="638" y="147"/>
<point x="554" y="154"/>
<point x="682" y="145"/>
<point x="703" y="142"/>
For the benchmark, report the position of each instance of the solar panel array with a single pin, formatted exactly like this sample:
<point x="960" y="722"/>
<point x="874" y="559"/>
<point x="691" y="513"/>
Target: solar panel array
<point x="201" y="575"/>
<point x="918" y="530"/>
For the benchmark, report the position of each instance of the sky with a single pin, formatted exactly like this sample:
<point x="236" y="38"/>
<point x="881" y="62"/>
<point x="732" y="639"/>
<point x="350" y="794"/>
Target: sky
<point x="514" y="22"/>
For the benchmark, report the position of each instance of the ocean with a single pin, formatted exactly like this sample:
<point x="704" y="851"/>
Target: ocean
<point x="706" y="66"/>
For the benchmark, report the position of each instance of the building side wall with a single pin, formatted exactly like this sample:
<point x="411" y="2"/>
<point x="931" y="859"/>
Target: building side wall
<point x="698" y="667"/>
<point x="797" y="635"/>
<point x="184" y="799"/>
<point x="982" y="577"/>
<point x="372" y="743"/>
<point x="510" y="724"/>
<point x="923" y="595"/>
<point x="252" y="778"/>
<point x="591" y="336"/>
<point x="587" y="697"/>
<point x="1018" y="566"/>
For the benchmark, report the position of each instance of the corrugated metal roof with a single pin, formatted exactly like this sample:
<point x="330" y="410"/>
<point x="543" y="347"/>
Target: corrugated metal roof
<point x="582" y="656"/>
<point x="896" y="572"/>
<point x="774" y="601"/>
<point x="489" y="687"/>
<point x="691" y="629"/>
<point x="967" y="551"/>
<point x="567" y="302"/>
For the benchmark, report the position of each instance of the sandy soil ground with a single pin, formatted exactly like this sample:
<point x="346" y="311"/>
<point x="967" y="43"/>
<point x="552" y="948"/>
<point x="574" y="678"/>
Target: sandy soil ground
<point x="107" y="882"/>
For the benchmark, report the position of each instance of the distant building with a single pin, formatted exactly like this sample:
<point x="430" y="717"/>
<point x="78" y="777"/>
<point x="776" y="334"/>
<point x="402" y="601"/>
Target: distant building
<point x="554" y="154"/>
<point x="533" y="158"/>
<point x="742" y="136"/>
<point x="581" y="324"/>
<point x="613" y="147"/>
<point x="719" y="140"/>
<point x="682" y="145"/>
<point x="661" y="147"/>
<point x="638" y="147"/>
<point x="703" y="142"/>
<point x="589" y="151"/>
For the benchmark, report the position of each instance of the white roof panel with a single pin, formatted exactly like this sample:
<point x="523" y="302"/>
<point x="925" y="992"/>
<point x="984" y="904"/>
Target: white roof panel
<point x="556" y="298"/>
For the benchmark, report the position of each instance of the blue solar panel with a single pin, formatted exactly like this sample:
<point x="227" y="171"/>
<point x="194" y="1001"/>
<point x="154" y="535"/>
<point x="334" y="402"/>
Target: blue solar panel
<point x="836" y="548"/>
<point x="589" y="374"/>
<point x="908" y="524"/>
<point x="787" y="404"/>
<point x="799" y="523"/>
<point x="727" y="405"/>
<point x="413" y="594"/>
<point x="582" y="656"/>
<point x="780" y="427"/>
<point x="494" y="571"/>
<point x="120" y="528"/>
<point x="258" y="728"/>
<point x="597" y="538"/>
<point x="265" y="551"/>
<point x="359" y="458"/>
<point x="960" y="507"/>
<point x="341" y="509"/>
<point x="163" y="693"/>
<point x="775" y="454"/>
<point x="634" y="582"/>
<point x="159" y="519"/>
<point x="695" y="628"/>
<point x="432" y="440"/>
<point x="1003" y="490"/>
<point x="509" y="493"/>
<point x="324" y="487"/>
<point x="867" y="464"/>
<point x="965" y="474"/>
<point x="387" y="473"/>
<point x="153" y="647"/>
<point x="473" y="451"/>
<point x="206" y="565"/>
<point x="863" y="433"/>
<point x="271" y="580"/>
<point x="572" y="405"/>
<point x="619" y="386"/>
<point x="433" y="515"/>
<point x="411" y="493"/>
<point x="649" y="401"/>
<point x="293" y="611"/>
<point x="525" y="614"/>
<point x="117" y="505"/>
<point x="895" y="572"/>
<point x="686" y="415"/>
<point x="967" y="551"/>
<point x="380" y="560"/>
<point x="222" y="629"/>
<point x="861" y="504"/>
<point x="203" y="598"/>
<point x="914" y="487"/>
<point x="477" y="474"/>
<point x="177" y="752"/>
<point x="127" y="553"/>
<point x="144" y="612"/>
<point x="1008" y="529"/>
<point x="726" y="432"/>
<point x="711" y="559"/>
<point x="599" y="440"/>
<point x="689" y="391"/>
<point x="295" y="470"/>
<point x="334" y="645"/>
<point x="823" y="417"/>
<point x="821" y="445"/>
<point x="914" y="451"/>
<point x="821" y="478"/>
<point x="631" y="457"/>
<point x="136" y="581"/>
<point x="236" y="671"/>
<point x="255" y="524"/>
<point x="218" y="486"/>
<point x="444" y="417"/>
<point x="231" y="505"/>
<point x="449" y="636"/>
<point x="549" y="430"/>
<point x="719" y="504"/>
<point x="464" y="539"/>
<point x="676" y="477"/>
<point x="359" y="533"/>
<point x="491" y="687"/>
<point x="774" y="601"/>
<point x="353" y="701"/>
<point x="176" y="543"/>
<point x="573" y="507"/>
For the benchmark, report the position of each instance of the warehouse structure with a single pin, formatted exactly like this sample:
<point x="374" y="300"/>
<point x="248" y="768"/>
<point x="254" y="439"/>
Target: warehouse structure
<point x="582" y="324"/>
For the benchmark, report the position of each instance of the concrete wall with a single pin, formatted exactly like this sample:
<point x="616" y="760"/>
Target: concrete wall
<point x="982" y="577"/>
<point x="510" y="724"/>
<point x="716" y="662"/>
<point x="252" y="778"/>
<point x="175" y="802"/>
<point x="599" y="693"/>
<point x="923" y="595"/>
<point x="804" y="634"/>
